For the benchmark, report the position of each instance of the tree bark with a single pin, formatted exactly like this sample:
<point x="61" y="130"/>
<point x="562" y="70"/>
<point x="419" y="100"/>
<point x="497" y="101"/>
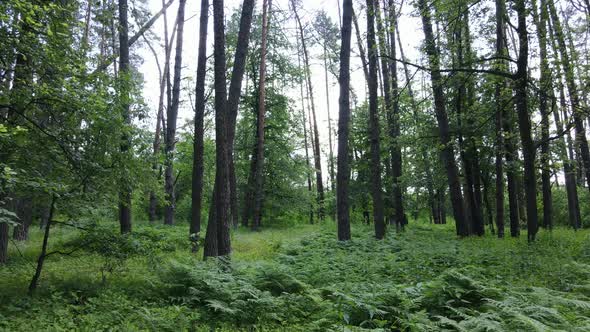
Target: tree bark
<point x="259" y="150"/>
<point x="171" y="116"/>
<point x="125" y="190"/>
<point x="43" y="254"/>
<point x="374" y="139"/>
<point x="24" y="211"/>
<point x="500" y="86"/>
<point x="217" y="239"/>
<point x="524" y="122"/>
<point x="343" y="171"/>
<point x="447" y="151"/>
<point x="199" y="135"/>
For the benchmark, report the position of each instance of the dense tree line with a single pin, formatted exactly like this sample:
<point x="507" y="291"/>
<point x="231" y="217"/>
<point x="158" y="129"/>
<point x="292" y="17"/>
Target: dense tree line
<point x="487" y="123"/>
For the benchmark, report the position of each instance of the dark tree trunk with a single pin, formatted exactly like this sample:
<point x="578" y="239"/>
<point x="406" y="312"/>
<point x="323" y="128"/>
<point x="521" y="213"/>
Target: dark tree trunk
<point x="124" y="88"/>
<point x="343" y="174"/>
<point x="198" y="144"/>
<point x="233" y="101"/>
<point x="24" y="211"/>
<point x="3" y="242"/>
<point x="217" y="239"/>
<point x="501" y="52"/>
<point x="375" y="163"/>
<point x="524" y="122"/>
<point x="171" y="117"/>
<point x="545" y="91"/>
<point x="315" y="136"/>
<point x="447" y="152"/>
<point x="259" y="150"/>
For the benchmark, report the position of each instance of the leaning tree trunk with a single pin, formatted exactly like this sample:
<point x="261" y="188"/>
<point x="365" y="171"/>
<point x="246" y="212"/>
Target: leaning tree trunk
<point x="124" y="89"/>
<point x="375" y="160"/>
<point x="171" y="117"/>
<point x="343" y="174"/>
<point x="524" y="122"/>
<point x="199" y="135"/>
<point x="447" y="152"/>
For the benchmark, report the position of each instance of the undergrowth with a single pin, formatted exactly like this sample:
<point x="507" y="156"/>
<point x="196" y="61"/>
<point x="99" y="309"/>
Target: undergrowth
<point x="302" y="279"/>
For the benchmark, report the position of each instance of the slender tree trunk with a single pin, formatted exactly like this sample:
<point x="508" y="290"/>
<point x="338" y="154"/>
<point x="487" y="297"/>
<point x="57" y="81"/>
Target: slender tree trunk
<point x="501" y="52"/>
<point x="331" y="152"/>
<point x="43" y="254"/>
<point x="199" y="135"/>
<point x="125" y="81"/>
<point x="172" y="115"/>
<point x="164" y="79"/>
<point x="524" y="122"/>
<point x="217" y="239"/>
<point x="447" y="152"/>
<point x="3" y="242"/>
<point x="259" y="160"/>
<point x="343" y="174"/>
<point x="315" y="137"/>
<point x="303" y="117"/>
<point x="375" y="160"/>
<point x="360" y="46"/>
<point x="546" y="87"/>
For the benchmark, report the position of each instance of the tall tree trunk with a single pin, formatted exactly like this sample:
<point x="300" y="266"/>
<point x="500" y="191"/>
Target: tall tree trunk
<point x="375" y="160"/>
<point x="164" y="81"/>
<point x="524" y="122"/>
<point x="124" y="88"/>
<point x="259" y="150"/>
<point x="303" y="117"/>
<point x="447" y="152"/>
<point x="199" y="135"/>
<point x="217" y="239"/>
<point x="3" y="242"/>
<point x="546" y="87"/>
<point x="171" y="116"/>
<point x="316" y="136"/>
<point x="501" y="52"/>
<point x="330" y="150"/>
<point x="233" y="101"/>
<point x="343" y="174"/>
<point x="568" y="70"/>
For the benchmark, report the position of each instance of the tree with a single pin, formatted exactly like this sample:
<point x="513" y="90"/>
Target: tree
<point x="217" y="239"/>
<point x="343" y="172"/>
<point x="125" y="193"/>
<point x="171" y="117"/>
<point x="315" y="136"/>
<point x="374" y="125"/>
<point x="198" y="145"/>
<point x="258" y="157"/>
<point x="447" y="151"/>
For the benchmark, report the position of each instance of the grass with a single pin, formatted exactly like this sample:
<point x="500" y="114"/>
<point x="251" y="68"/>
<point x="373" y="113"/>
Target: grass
<point x="301" y="278"/>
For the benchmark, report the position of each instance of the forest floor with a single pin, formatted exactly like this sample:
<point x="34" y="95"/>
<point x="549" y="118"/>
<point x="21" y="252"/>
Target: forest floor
<point x="300" y="278"/>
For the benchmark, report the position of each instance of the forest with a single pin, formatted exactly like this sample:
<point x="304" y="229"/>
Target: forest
<point x="294" y="165"/>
